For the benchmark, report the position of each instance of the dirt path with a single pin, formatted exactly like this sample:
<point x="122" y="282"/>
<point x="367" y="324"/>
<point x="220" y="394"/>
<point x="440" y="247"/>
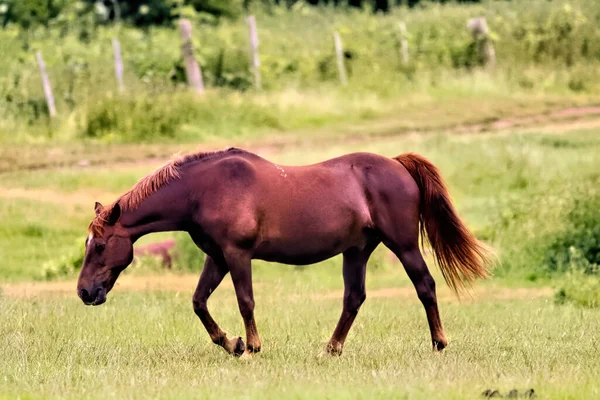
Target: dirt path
<point x="186" y="283"/>
<point x="563" y="117"/>
<point x="124" y="155"/>
<point x="557" y="122"/>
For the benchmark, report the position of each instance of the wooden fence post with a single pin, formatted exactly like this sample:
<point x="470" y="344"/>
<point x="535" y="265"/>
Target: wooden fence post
<point x="339" y="52"/>
<point x="117" y="10"/>
<point x="118" y="64"/>
<point x="254" y="50"/>
<point x="192" y="69"/>
<point x="481" y="35"/>
<point x="46" y="84"/>
<point x="403" y="43"/>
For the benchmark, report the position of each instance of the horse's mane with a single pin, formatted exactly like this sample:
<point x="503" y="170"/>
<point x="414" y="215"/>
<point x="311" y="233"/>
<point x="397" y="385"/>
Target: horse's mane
<point x="152" y="183"/>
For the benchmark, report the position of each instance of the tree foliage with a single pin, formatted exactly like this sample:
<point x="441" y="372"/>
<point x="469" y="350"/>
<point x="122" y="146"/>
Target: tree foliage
<point x="29" y="13"/>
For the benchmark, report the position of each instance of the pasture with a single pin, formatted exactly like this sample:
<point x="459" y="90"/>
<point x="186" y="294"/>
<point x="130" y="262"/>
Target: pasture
<point x="514" y="187"/>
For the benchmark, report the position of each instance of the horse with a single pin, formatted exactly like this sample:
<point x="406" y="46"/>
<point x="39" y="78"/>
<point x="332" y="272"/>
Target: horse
<point x="237" y="206"/>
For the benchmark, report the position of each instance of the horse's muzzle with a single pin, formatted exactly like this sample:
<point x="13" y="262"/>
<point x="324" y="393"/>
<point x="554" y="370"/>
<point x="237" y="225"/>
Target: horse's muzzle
<point x="92" y="298"/>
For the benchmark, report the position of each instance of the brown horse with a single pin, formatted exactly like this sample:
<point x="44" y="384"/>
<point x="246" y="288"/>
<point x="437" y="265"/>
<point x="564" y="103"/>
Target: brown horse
<point x="237" y="206"/>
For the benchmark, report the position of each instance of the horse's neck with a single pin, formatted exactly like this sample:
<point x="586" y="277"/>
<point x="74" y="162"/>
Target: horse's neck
<point x="168" y="209"/>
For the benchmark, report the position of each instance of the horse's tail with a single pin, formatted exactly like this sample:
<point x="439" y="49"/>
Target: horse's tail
<point x="460" y="256"/>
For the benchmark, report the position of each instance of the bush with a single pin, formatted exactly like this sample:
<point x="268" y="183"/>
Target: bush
<point x="29" y="13"/>
<point x="131" y="118"/>
<point x="545" y="47"/>
<point x="578" y="287"/>
<point x="160" y="12"/>
<point x="580" y="238"/>
<point x="541" y="233"/>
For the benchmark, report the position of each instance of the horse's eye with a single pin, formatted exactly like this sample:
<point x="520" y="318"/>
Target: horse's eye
<point x="99" y="247"/>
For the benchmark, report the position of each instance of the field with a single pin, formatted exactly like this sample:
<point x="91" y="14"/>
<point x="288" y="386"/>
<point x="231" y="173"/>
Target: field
<point x="547" y="56"/>
<point x="517" y="143"/>
<point x="146" y="341"/>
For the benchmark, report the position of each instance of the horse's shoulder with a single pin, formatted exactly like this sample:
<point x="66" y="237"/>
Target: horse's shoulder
<point x="238" y="165"/>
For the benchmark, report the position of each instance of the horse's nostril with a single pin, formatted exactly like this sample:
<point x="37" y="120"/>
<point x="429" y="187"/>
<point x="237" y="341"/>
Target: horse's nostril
<point x="84" y="294"/>
<point x="97" y="294"/>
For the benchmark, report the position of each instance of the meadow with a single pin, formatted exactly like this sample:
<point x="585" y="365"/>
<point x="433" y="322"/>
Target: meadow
<point x="517" y="190"/>
<point x="547" y="56"/>
<point x="518" y="145"/>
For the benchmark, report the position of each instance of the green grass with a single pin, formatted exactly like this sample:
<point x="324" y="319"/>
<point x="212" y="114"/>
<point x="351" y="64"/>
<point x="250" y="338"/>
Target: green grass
<point x="151" y="345"/>
<point x="546" y="50"/>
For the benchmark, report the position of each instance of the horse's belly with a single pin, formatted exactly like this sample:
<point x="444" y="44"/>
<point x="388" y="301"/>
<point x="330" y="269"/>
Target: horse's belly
<point x="295" y="259"/>
<point x="305" y="246"/>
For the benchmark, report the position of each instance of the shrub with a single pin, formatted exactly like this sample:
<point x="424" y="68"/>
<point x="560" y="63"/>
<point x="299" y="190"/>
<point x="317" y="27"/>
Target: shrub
<point x="578" y="287"/>
<point x="541" y="46"/>
<point x="31" y="12"/>
<point x="135" y="118"/>
<point x="580" y="239"/>
<point x="541" y="233"/>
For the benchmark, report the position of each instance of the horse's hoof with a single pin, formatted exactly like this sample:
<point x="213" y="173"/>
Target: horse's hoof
<point x="253" y="349"/>
<point x="246" y="355"/>
<point x="440" y="345"/>
<point x="334" y="349"/>
<point x="239" y="347"/>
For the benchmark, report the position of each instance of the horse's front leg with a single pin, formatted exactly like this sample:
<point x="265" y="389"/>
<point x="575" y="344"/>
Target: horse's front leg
<point x="241" y="273"/>
<point x="211" y="277"/>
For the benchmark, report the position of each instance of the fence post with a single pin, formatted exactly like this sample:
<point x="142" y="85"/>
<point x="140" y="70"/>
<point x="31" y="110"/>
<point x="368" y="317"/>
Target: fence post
<point x="254" y="50"/>
<point x="192" y="69"/>
<point x="339" y="52"/>
<point x="118" y="64"/>
<point x="46" y="85"/>
<point x="403" y="43"/>
<point x="481" y="35"/>
<point x="117" y="10"/>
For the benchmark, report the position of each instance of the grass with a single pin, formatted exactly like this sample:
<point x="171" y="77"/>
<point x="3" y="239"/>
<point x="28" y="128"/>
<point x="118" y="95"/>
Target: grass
<point x="151" y="345"/>
<point x="147" y="343"/>
<point x="545" y="51"/>
<point x="530" y="192"/>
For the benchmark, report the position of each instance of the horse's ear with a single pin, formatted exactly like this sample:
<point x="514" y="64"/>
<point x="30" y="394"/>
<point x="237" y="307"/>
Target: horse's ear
<point x="98" y="208"/>
<point x="115" y="214"/>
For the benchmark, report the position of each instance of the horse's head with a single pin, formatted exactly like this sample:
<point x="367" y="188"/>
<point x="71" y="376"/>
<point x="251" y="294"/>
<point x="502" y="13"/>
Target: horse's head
<point x="108" y="251"/>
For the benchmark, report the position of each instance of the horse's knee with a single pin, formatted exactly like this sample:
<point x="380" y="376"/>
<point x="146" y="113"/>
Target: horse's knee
<point x="199" y="305"/>
<point x="426" y="290"/>
<point x="353" y="301"/>
<point x="246" y="304"/>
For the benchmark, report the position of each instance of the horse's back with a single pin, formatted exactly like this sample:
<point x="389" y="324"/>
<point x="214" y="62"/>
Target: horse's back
<point x="300" y="214"/>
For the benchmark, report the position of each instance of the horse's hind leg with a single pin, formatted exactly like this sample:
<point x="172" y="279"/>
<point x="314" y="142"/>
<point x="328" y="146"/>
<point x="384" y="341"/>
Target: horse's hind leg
<point x="419" y="274"/>
<point x="241" y="273"/>
<point x="355" y="266"/>
<point x="211" y="277"/>
<point x="409" y="254"/>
